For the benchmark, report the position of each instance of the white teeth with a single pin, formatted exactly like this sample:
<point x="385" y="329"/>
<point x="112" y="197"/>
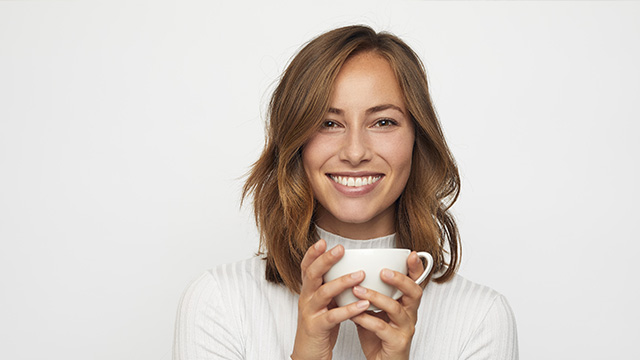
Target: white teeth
<point x="355" y="181"/>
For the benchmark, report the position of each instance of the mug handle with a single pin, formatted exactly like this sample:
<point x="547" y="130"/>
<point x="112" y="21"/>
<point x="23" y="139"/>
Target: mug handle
<point x="425" y="273"/>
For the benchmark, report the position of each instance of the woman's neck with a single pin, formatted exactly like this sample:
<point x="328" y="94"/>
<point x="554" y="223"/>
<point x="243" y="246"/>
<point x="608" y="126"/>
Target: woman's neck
<point x="385" y="242"/>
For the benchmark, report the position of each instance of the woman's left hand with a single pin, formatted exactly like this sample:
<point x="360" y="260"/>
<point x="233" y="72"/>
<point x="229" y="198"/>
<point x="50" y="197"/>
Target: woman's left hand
<point x="388" y="334"/>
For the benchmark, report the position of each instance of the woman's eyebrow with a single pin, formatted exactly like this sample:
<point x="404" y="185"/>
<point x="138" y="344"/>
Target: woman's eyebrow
<point x="371" y="110"/>
<point x="379" y="108"/>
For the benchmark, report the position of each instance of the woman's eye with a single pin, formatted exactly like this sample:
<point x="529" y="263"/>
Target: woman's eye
<point x="384" y="123"/>
<point x="328" y="124"/>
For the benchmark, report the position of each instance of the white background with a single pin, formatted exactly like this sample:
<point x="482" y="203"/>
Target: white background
<point x="126" y="128"/>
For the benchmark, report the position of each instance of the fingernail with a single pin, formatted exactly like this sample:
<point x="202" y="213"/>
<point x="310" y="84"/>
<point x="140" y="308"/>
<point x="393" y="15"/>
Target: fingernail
<point x="357" y="274"/>
<point x="335" y="251"/>
<point x="359" y="290"/>
<point x="317" y="245"/>
<point x="362" y="304"/>
<point x="416" y="259"/>
<point x="387" y="274"/>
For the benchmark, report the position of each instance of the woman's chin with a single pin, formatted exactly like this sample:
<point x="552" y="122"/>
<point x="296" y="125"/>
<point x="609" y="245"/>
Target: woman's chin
<point x="342" y="217"/>
<point x="357" y="225"/>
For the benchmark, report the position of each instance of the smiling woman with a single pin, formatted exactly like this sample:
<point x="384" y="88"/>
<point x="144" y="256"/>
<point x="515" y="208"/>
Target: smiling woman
<point x="354" y="158"/>
<point x="359" y="161"/>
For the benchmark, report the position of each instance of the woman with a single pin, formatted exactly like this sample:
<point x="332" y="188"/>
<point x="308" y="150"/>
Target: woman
<point x="354" y="158"/>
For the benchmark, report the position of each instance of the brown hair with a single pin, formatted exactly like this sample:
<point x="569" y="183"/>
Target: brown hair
<point x="282" y="197"/>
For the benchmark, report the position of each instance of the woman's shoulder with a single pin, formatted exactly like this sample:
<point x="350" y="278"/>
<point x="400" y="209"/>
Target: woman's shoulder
<point x="460" y="297"/>
<point x="247" y="269"/>
<point x="476" y="313"/>
<point x="223" y="289"/>
<point x="214" y="312"/>
<point x="459" y="290"/>
<point x="234" y="275"/>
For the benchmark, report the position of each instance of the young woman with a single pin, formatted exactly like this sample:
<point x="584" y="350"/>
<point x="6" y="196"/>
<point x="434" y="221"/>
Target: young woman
<point x="354" y="158"/>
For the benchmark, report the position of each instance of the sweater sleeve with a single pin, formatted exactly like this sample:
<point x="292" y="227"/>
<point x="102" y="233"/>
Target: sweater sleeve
<point x="496" y="337"/>
<point x="205" y="326"/>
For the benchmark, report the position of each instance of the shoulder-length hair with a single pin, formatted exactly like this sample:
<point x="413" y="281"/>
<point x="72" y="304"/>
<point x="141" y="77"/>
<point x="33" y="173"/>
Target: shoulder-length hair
<point x="283" y="200"/>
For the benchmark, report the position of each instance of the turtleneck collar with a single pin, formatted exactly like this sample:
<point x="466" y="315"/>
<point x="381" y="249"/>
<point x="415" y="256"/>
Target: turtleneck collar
<point x="332" y="240"/>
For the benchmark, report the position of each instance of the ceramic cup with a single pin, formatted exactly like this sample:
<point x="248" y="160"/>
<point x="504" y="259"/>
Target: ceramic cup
<point x="372" y="261"/>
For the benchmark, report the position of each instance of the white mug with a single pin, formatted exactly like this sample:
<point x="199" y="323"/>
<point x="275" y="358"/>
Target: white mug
<point x="372" y="261"/>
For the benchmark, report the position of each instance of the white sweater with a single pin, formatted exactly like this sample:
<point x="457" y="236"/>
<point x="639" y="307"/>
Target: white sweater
<point x="232" y="312"/>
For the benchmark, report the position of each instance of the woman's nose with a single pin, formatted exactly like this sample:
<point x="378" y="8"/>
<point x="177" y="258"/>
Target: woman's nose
<point x="355" y="148"/>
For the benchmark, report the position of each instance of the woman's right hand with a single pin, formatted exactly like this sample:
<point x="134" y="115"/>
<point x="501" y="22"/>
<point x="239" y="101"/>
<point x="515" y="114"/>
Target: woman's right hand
<point x="318" y="317"/>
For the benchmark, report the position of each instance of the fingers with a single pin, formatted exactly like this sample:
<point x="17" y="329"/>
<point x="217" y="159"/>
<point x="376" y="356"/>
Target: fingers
<point x="402" y="312"/>
<point x="374" y="324"/>
<point x="412" y="292"/>
<point x="318" y="317"/>
<point x="414" y="264"/>
<point x="394" y="309"/>
<point x="315" y="295"/>
<point x="315" y="263"/>
<point x="337" y="315"/>
<point x="395" y="326"/>
<point x="312" y="253"/>
<point x="325" y="294"/>
<point x="398" y="337"/>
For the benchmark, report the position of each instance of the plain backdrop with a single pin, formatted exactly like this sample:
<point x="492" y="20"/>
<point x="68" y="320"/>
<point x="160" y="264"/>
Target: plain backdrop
<point x="126" y="129"/>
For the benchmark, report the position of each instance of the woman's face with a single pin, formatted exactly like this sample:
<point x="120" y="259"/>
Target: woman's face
<point x="359" y="161"/>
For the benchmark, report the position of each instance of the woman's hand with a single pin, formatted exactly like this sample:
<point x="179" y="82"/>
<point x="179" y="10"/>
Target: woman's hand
<point x="388" y="334"/>
<point x="318" y="317"/>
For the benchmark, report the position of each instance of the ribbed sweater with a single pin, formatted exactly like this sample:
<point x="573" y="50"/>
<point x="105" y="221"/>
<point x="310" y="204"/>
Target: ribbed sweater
<point x="232" y="312"/>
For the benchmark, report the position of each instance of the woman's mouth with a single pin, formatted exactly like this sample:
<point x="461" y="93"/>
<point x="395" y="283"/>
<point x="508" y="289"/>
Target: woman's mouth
<point x="355" y="185"/>
<point x="355" y="181"/>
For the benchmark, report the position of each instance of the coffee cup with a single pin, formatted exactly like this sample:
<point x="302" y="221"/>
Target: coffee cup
<point x="372" y="261"/>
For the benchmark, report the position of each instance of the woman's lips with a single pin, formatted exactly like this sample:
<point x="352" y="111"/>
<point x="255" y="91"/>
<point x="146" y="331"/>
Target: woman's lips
<point x="355" y="184"/>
